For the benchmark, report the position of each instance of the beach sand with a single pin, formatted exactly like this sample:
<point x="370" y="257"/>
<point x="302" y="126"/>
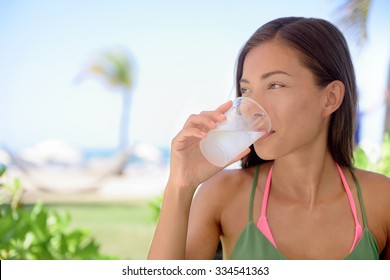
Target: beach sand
<point x="52" y="185"/>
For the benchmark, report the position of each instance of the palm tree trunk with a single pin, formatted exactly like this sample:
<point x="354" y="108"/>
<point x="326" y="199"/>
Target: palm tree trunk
<point x="123" y="147"/>
<point x="125" y="120"/>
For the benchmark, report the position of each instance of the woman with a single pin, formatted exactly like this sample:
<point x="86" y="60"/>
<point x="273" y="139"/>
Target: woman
<point x="297" y="195"/>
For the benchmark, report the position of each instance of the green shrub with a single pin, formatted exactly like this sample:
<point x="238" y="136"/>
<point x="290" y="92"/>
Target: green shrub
<point x="382" y="166"/>
<point x="35" y="232"/>
<point x="155" y="206"/>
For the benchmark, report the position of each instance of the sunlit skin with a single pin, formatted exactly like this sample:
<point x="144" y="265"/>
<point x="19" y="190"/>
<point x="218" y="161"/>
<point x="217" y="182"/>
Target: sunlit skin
<point x="307" y="195"/>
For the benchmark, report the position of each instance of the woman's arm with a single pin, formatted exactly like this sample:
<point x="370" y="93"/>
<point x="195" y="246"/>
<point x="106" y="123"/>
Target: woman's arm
<point x="188" y="228"/>
<point x="188" y="169"/>
<point x="169" y="240"/>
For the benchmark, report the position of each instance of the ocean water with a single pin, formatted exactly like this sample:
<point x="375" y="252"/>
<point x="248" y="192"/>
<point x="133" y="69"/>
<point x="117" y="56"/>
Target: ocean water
<point x="89" y="153"/>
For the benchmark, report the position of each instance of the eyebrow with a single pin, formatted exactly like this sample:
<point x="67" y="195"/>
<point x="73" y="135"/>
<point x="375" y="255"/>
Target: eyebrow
<point x="267" y="75"/>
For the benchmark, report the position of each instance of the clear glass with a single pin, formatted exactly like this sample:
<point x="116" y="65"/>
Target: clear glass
<point x="246" y="122"/>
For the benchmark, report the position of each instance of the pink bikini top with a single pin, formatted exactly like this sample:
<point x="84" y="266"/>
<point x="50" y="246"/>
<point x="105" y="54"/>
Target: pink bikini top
<point x="263" y="222"/>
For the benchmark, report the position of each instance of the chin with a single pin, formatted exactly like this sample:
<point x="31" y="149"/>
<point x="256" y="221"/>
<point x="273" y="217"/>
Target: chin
<point x="263" y="153"/>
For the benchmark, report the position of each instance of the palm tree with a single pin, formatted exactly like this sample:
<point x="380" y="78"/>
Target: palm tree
<point x="353" y="17"/>
<point x="113" y="67"/>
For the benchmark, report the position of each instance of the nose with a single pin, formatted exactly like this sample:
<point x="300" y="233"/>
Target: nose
<point x="261" y="99"/>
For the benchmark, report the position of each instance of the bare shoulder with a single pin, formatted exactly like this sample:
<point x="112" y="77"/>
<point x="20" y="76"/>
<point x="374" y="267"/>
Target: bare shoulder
<point x="376" y="198"/>
<point x="225" y="185"/>
<point x="223" y="191"/>
<point x="374" y="183"/>
<point x="375" y="191"/>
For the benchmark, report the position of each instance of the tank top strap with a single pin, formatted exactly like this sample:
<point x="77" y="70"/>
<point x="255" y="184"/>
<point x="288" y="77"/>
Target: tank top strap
<point x="359" y="192"/>
<point x="252" y="197"/>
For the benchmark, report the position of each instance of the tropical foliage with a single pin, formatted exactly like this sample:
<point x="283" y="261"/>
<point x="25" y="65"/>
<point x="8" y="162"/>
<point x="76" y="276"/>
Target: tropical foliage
<point x="353" y="16"/>
<point x="37" y="233"/>
<point x="382" y="166"/>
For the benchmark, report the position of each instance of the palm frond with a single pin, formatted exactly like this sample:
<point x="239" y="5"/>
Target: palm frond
<point x="352" y="16"/>
<point x="113" y="67"/>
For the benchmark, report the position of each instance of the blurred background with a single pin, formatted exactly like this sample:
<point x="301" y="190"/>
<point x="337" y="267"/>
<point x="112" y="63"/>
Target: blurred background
<point x="92" y="92"/>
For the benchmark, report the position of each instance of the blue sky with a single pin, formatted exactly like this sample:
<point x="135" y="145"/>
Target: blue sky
<point x="184" y="54"/>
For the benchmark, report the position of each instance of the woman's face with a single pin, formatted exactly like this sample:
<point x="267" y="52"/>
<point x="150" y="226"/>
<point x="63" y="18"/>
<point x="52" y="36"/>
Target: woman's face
<point x="274" y="76"/>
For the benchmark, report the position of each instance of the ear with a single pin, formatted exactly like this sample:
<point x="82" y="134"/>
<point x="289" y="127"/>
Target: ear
<point x="333" y="97"/>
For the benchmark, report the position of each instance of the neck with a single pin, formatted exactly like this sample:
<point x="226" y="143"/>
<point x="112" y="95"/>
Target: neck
<point x="306" y="179"/>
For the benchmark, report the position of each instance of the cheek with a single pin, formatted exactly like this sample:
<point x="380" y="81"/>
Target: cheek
<point x="301" y="113"/>
<point x="301" y="121"/>
<point x="295" y="126"/>
<point x="287" y="117"/>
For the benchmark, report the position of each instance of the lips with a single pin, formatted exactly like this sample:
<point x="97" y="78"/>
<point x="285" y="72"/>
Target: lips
<point x="267" y="134"/>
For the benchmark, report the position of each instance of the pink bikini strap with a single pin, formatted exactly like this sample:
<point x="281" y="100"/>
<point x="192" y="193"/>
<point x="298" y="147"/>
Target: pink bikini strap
<point x="349" y="194"/>
<point x="358" y="227"/>
<point x="263" y="222"/>
<point x="345" y="184"/>
<point x="266" y="194"/>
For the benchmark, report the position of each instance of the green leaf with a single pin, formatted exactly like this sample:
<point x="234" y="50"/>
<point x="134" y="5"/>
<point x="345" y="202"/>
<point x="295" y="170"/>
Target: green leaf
<point x="3" y="168"/>
<point x="39" y="233"/>
<point x="360" y="158"/>
<point x="382" y="166"/>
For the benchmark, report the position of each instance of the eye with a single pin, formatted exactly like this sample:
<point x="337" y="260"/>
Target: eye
<point x="244" y="91"/>
<point x="274" y="86"/>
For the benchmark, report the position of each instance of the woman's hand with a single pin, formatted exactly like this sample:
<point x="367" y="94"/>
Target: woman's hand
<point x="188" y="167"/>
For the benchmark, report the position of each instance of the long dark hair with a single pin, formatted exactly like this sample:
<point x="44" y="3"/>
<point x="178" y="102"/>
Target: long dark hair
<point x="324" y="51"/>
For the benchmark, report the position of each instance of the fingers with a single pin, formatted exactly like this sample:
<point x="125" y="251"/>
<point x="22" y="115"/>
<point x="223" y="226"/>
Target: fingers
<point x="224" y="107"/>
<point x="197" y="125"/>
<point x="205" y="120"/>
<point x="192" y="132"/>
<point x="207" y="117"/>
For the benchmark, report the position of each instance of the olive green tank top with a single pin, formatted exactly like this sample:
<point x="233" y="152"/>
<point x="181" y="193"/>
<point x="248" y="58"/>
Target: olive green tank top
<point x="252" y="244"/>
